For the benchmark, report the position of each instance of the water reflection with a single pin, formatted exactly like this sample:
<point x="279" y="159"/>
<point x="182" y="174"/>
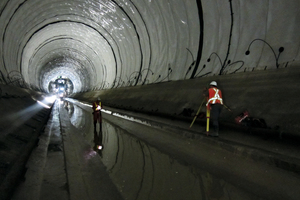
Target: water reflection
<point x="79" y="118"/>
<point x="98" y="144"/>
<point x="141" y="171"/>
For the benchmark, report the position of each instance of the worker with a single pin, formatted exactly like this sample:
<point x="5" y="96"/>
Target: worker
<point x="215" y="105"/>
<point x="97" y="106"/>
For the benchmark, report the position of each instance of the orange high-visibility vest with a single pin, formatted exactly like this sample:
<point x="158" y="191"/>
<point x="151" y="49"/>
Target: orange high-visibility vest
<point x="215" y="96"/>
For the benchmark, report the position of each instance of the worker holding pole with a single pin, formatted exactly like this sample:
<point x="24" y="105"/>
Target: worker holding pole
<point x="214" y="107"/>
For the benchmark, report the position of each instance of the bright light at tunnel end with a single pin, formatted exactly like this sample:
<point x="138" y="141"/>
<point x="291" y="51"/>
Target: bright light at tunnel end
<point x="50" y="99"/>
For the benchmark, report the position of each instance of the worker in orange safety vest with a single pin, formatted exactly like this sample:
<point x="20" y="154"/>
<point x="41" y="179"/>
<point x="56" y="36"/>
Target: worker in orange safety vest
<point x="97" y="106"/>
<point x="215" y="104"/>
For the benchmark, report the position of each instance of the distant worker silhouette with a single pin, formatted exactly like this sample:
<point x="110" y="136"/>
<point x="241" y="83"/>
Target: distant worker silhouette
<point x="97" y="106"/>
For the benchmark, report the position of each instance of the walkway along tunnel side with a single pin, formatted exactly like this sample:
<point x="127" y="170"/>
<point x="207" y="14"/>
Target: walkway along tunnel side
<point x="270" y="95"/>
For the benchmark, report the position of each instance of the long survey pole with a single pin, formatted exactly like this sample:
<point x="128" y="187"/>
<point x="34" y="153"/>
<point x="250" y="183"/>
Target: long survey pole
<point x="207" y="119"/>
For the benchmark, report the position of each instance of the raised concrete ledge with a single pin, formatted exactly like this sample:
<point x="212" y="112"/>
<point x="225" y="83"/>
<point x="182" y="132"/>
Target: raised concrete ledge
<point x="17" y="168"/>
<point x="270" y="94"/>
<point x="19" y="135"/>
<point x="260" y="148"/>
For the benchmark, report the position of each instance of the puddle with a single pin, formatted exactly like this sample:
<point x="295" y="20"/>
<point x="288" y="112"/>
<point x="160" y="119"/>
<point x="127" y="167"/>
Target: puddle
<point x="141" y="171"/>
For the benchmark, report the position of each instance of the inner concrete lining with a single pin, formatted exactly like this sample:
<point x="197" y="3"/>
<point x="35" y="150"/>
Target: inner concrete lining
<point x="111" y="44"/>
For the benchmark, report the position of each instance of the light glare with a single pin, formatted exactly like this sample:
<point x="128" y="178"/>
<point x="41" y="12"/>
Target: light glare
<point x="50" y="99"/>
<point x="44" y="105"/>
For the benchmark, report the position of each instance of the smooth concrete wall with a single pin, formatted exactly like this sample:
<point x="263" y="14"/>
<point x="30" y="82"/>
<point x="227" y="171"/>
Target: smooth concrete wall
<point x="271" y="94"/>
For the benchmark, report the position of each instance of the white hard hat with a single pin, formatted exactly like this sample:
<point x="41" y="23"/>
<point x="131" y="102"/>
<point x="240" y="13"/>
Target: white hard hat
<point x="98" y="99"/>
<point x="214" y="83"/>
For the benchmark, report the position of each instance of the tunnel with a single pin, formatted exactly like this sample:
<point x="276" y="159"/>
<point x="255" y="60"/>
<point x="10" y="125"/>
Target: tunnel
<point x="152" y="60"/>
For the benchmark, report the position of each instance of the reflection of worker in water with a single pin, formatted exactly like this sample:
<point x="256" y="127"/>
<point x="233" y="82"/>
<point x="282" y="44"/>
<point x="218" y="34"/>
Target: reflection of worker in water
<point x="98" y="145"/>
<point x="97" y="113"/>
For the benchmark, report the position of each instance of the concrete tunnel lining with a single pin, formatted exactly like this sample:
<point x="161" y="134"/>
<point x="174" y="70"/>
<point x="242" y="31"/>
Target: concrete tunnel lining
<point x="102" y="45"/>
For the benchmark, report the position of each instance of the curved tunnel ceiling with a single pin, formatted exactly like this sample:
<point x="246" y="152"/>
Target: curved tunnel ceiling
<point x="102" y="44"/>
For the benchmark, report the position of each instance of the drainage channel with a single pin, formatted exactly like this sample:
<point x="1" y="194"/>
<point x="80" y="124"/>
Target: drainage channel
<point x="141" y="169"/>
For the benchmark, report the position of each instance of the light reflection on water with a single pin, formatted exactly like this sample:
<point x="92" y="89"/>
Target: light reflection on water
<point x="141" y="171"/>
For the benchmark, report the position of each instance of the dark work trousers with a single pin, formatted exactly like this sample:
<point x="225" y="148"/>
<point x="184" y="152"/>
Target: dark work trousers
<point x="215" y="113"/>
<point x="97" y="117"/>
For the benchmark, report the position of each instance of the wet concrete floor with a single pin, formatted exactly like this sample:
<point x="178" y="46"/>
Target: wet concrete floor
<point x="138" y="160"/>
